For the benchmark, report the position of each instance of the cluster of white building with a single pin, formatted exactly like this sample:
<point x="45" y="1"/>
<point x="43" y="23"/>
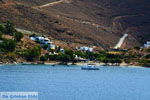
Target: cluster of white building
<point x="44" y="41"/>
<point x="147" y="44"/>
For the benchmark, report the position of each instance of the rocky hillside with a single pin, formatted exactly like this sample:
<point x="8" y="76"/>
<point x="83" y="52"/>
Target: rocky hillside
<point x="90" y="22"/>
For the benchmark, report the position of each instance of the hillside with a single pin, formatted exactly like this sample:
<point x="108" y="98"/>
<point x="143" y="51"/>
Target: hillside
<point x="91" y="22"/>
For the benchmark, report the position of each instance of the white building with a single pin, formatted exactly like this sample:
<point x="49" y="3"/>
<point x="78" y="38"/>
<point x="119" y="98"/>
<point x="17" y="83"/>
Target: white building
<point x="84" y="48"/>
<point x="41" y="40"/>
<point x="62" y="50"/>
<point x="147" y="44"/>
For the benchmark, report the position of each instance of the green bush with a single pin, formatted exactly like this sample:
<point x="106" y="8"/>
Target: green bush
<point x="18" y="36"/>
<point x="43" y="58"/>
<point x="53" y="57"/>
<point x="8" y="45"/>
<point x="9" y="28"/>
<point x="64" y="58"/>
<point x="79" y="53"/>
<point x="70" y="53"/>
<point x="144" y="62"/>
<point x="32" y="54"/>
<point x="113" y="59"/>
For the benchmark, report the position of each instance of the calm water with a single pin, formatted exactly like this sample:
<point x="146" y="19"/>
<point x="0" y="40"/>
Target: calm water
<point x="72" y="83"/>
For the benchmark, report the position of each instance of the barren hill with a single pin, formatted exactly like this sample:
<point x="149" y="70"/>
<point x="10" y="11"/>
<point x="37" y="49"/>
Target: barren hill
<point x="91" y="22"/>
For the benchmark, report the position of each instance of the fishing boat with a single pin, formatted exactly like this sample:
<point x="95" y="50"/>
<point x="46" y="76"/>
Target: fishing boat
<point x="90" y="67"/>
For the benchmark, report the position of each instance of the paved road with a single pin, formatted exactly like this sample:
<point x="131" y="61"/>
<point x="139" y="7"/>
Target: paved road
<point x="26" y="31"/>
<point x="54" y="3"/>
<point x="121" y="41"/>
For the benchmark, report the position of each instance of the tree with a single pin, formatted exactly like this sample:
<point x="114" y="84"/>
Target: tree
<point x="89" y="55"/>
<point x="47" y="56"/>
<point x="144" y="62"/>
<point x="9" y="28"/>
<point x="64" y="58"/>
<point x="53" y="57"/>
<point x="8" y="45"/>
<point x="43" y="59"/>
<point x="118" y="61"/>
<point x="18" y="36"/>
<point x="101" y="59"/>
<point x="106" y="61"/>
<point x="112" y="61"/>
<point x="80" y="54"/>
<point x="33" y="53"/>
<point x="70" y="53"/>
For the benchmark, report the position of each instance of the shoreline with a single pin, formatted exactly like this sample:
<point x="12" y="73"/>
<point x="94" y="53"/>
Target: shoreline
<point x="77" y="64"/>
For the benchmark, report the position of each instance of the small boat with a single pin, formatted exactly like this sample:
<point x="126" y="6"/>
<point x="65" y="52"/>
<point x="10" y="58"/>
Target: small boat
<point x="90" y="67"/>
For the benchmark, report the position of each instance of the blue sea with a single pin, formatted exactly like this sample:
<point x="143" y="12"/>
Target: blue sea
<point x="72" y="83"/>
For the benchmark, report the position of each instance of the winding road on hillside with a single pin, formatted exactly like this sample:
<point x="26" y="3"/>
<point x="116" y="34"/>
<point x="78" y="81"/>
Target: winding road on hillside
<point x="83" y="22"/>
<point x="121" y="41"/>
<point x="26" y="31"/>
<point x="73" y="19"/>
<point x="118" y="45"/>
<point x="54" y="3"/>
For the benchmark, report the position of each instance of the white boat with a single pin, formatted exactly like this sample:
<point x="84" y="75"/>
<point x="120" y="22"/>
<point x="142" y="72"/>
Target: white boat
<point x="90" y="67"/>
